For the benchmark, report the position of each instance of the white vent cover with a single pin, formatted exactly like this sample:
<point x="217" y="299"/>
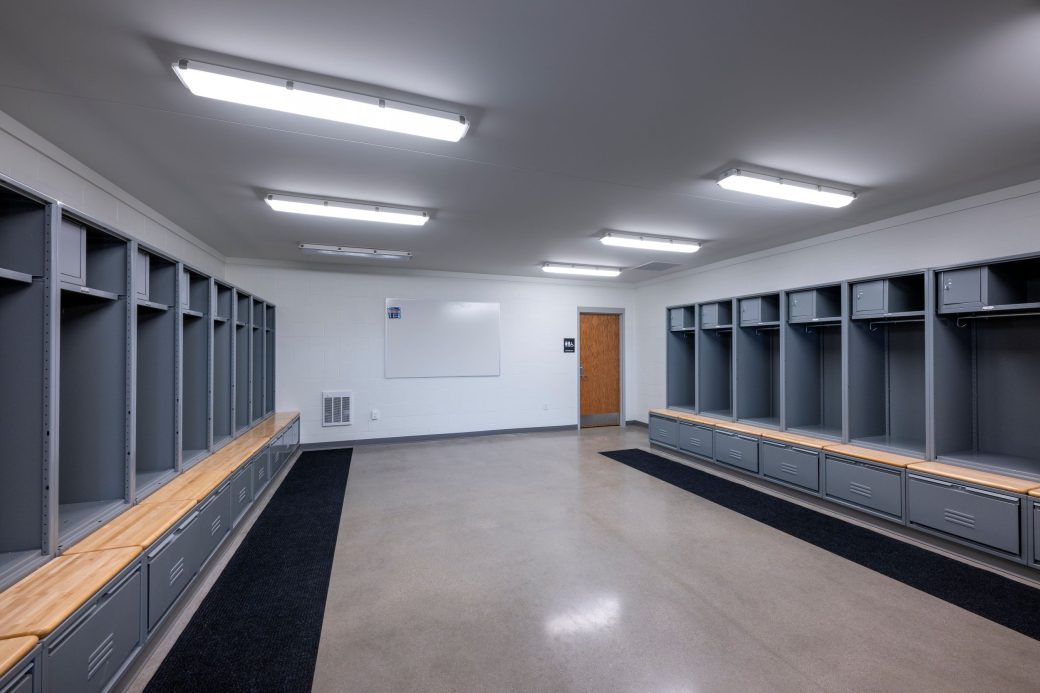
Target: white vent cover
<point x="336" y="408"/>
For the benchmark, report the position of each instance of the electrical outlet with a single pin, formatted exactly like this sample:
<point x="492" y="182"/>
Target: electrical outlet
<point x="375" y="415"/>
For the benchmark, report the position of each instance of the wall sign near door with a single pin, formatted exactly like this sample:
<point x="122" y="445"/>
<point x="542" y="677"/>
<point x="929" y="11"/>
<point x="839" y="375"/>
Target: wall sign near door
<point x="568" y="345"/>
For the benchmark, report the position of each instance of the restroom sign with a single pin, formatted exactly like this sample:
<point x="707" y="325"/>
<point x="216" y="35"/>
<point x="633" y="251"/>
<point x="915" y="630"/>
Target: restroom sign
<point x="568" y="345"/>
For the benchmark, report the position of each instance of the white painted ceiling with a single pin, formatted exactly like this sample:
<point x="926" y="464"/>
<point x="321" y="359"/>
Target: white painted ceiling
<point x="587" y="115"/>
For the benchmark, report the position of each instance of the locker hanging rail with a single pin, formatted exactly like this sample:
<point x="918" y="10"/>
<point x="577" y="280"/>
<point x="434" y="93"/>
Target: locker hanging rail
<point x="873" y="325"/>
<point x="996" y="315"/>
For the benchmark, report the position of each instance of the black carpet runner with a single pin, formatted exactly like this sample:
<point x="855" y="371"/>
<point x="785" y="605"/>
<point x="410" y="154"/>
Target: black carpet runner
<point x="981" y="592"/>
<point x="259" y="626"/>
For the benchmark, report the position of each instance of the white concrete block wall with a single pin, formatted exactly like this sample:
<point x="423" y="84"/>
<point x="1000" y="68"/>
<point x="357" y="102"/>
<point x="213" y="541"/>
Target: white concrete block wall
<point x="34" y="162"/>
<point x="330" y="336"/>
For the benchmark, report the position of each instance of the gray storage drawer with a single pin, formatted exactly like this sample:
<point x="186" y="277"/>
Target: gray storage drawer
<point x="91" y="648"/>
<point x="870" y="486"/>
<point x="664" y="431"/>
<point x="977" y="515"/>
<point x="170" y="566"/>
<point x="696" y="439"/>
<point x="801" y="305"/>
<point x="24" y="676"/>
<point x="261" y="473"/>
<point x="1036" y="533"/>
<point x="214" y="522"/>
<point x="868" y="298"/>
<point x="750" y="311"/>
<point x="960" y="288"/>
<point x="791" y="464"/>
<point x="72" y="253"/>
<point x="241" y="492"/>
<point x="736" y="449"/>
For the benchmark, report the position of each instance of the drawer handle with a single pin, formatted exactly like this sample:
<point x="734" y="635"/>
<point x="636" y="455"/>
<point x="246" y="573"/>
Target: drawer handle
<point x="789" y="468"/>
<point x="748" y="439"/>
<point x="860" y="489"/>
<point x="772" y="444"/>
<point x="811" y="453"/>
<point x="100" y="655"/>
<point x="726" y="433"/>
<point x="933" y="482"/>
<point x="958" y="518"/>
<point x="161" y="547"/>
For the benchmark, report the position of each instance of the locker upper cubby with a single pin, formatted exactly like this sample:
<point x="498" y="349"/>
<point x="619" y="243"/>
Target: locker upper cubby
<point x="1006" y="285"/>
<point x="681" y="318"/>
<point x="222" y="302"/>
<point x="888" y="297"/>
<point x="717" y="315"/>
<point x="91" y="262"/>
<point x="22" y="226"/>
<point x="820" y="304"/>
<point x="195" y="294"/>
<point x="155" y="281"/>
<point x="760" y="310"/>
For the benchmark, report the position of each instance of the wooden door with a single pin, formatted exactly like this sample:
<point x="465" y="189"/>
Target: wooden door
<point x="600" y="369"/>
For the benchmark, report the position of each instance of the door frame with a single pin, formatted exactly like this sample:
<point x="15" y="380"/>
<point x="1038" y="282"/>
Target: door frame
<point x="621" y="357"/>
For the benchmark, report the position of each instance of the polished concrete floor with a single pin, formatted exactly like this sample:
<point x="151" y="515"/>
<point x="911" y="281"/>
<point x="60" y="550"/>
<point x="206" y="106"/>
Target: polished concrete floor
<point x="531" y="563"/>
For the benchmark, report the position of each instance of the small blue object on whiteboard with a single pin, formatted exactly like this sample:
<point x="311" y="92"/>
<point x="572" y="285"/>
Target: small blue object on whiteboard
<point x="393" y="313"/>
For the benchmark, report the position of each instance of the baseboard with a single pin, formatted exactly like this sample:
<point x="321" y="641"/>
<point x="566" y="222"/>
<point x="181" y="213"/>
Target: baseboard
<point x="633" y="422"/>
<point x="336" y="444"/>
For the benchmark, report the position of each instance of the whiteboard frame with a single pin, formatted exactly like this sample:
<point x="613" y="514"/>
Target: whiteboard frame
<point x="390" y="301"/>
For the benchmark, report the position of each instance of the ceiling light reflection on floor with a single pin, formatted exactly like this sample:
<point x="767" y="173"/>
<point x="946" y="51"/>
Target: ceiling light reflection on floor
<point x="600" y="614"/>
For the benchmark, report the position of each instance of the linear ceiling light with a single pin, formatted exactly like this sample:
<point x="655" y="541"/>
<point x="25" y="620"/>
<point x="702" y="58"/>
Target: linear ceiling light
<point x="634" y="240"/>
<point x="275" y="93"/>
<point x="340" y="209"/>
<point x="785" y="188"/>
<point x="586" y="270"/>
<point x="344" y="251"/>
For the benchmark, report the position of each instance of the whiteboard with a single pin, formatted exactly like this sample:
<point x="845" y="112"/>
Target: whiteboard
<point x="429" y="339"/>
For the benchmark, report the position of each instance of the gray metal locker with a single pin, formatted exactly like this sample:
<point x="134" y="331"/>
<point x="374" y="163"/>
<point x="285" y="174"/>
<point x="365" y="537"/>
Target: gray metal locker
<point x="801" y="304"/>
<point x="664" y="431"/>
<point x="675" y="316"/>
<point x="978" y="515"/>
<point x="1036" y="534"/>
<point x="961" y="286"/>
<point x="736" y="449"/>
<point x="87" y="652"/>
<point x="170" y="565"/>
<point x="791" y="464"/>
<point x="750" y="311"/>
<point x="874" y="487"/>
<point x="142" y="262"/>
<point x="72" y="252"/>
<point x="868" y="298"/>
<point x="696" y="439"/>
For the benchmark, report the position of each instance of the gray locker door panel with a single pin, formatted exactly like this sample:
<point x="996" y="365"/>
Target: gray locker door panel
<point x="980" y="516"/>
<point x="21" y="684"/>
<point x="72" y="253"/>
<point x="791" y="464"/>
<point x="664" y="431"/>
<point x="142" y="279"/>
<point x="241" y="492"/>
<point x="801" y="304"/>
<point x="868" y="297"/>
<point x="214" y="522"/>
<point x="85" y="656"/>
<point x="873" y="487"/>
<point x="171" y="565"/>
<point x="696" y="439"/>
<point x="675" y="316"/>
<point x="961" y="286"/>
<point x="710" y="315"/>
<point x="750" y="311"/>
<point x="736" y="450"/>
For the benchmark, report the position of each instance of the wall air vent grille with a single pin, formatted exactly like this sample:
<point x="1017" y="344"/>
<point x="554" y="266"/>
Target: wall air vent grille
<point x="336" y="408"/>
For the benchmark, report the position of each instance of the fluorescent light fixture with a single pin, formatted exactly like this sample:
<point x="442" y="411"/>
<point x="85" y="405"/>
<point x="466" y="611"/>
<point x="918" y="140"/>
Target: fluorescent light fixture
<point x="633" y="240"/>
<point x="785" y="188"/>
<point x="278" y="94"/>
<point x="341" y="209"/>
<point x="585" y="270"/>
<point x="344" y="251"/>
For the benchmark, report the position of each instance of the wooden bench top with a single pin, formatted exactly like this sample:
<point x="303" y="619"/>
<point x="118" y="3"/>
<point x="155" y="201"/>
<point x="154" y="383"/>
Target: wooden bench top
<point x="12" y="651"/>
<point x="1035" y="492"/>
<point x="685" y="416"/>
<point x="975" y="476"/>
<point x="796" y="439"/>
<point x="742" y="428"/>
<point x="139" y="526"/>
<point x="41" y="601"/>
<point x="872" y="455"/>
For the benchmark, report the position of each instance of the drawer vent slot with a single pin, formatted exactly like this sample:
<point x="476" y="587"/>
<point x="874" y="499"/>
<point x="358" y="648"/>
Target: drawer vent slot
<point x="860" y="489"/>
<point x="97" y="659"/>
<point x="959" y="518"/>
<point x="176" y="571"/>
